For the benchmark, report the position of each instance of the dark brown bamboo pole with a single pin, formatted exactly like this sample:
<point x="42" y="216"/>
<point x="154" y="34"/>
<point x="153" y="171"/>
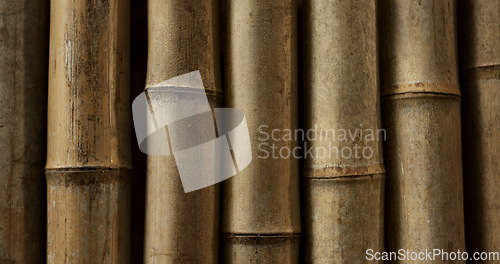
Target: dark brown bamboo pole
<point x="181" y="227"/>
<point x="479" y="46"/>
<point x="261" y="216"/>
<point x="343" y="188"/>
<point x="88" y="156"/>
<point x="23" y="94"/>
<point x="421" y="113"/>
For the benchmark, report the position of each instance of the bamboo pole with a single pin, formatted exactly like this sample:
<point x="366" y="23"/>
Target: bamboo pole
<point x="88" y="155"/>
<point x="261" y="216"/>
<point x="343" y="191"/>
<point x="421" y="113"/>
<point x="480" y="78"/>
<point x="23" y="89"/>
<point x="181" y="227"/>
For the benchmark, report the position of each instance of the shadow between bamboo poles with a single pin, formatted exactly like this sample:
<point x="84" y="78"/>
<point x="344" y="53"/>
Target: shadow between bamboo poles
<point x="421" y="113"/>
<point x="88" y="152"/>
<point x="261" y="215"/>
<point x="138" y="66"/>
<point x="23" y="100"/>
<point x="181" y="227"/>
<point x="343" y="193"/>
<point x="479" y="42"/>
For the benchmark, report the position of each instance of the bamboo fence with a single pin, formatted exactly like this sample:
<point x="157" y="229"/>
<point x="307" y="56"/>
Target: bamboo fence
<point x="414" y="83"/>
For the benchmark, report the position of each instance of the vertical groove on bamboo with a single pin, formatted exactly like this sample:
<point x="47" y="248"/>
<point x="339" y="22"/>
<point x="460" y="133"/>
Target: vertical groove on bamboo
<point x="421" y="113"/>
<point x="479" y="46"/>
<point x="23" y="89"/>
<point x="181" y="227"/>
<point x="261" y="214"/>
<point x="88" y="150"/>
<point x="343" y="194"/>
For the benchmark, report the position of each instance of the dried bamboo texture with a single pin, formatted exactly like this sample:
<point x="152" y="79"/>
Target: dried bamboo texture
<point x="88" y="155"/>
<point x="343" y="191"/>
<point x="479" y="46"/>
<point x="261" y="215"/>
<point x="421" y="113"/>
<point x="23" y="88"/>
<point x="181" y="227"/>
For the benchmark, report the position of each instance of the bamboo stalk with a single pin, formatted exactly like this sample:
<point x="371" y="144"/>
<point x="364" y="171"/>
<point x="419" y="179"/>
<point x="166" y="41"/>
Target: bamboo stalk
<point x="343" y="193"/>
<point x="88" y="155"/>
<point x="261" y="216"/>
<point x="23" y="87"/>
<point x="421" y="112"/>
<point x="480" y="78"/>
<point x="181" y="227"/>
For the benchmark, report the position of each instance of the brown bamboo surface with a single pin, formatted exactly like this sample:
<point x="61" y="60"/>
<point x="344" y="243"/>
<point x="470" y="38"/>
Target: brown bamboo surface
<point x="421" y="113"/>
<point x="181" y="227"/>
<point x="479" y="46"/>
<point x="23" y="102"/>
<point x="260" y="205"/>
<point x="416" y="83"/>
<point x="342" y="194"/>
<point x="88" y="152"/>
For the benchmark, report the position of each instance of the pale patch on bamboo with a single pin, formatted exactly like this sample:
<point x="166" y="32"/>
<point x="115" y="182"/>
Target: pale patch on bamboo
<point x="479" y="46"/>
<point x="181" y="227"/>
<point x="261" y="215"/>
<point x="343" y="195"/>
<point x="88" y="155"/>
<point x="421" y="112"/>
<point x="23" y="95"/>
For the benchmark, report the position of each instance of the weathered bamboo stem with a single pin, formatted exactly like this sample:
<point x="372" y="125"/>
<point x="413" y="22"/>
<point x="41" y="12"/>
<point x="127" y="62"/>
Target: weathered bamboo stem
<point x="88" y="155"/>
<point x="421" y="113"/>
<point x="23" y="89"/>
<point x="181" y="227"/>
<point x="261" y="217"/>
<point x="343" y="193"/>
<point x="480" y="79"/>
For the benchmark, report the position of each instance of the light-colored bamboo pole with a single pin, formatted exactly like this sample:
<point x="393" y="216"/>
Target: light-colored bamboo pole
<point x="181" y="227"/>
<point x="343" y="179"/>
<point x="421" y="113"/>
<point x="88" y="155"/>
<point x="261" y="215"/>
<point x="479" y="46"/>
<point x="23" y="100"/>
